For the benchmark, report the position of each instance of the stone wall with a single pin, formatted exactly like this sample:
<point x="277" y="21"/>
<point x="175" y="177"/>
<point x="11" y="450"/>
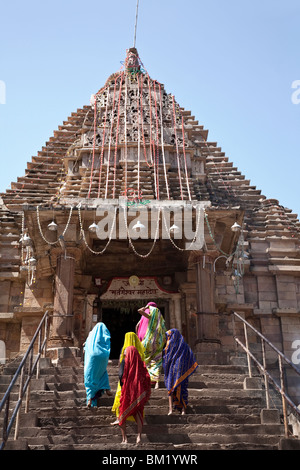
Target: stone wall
<point x="10" y="334"/>
<point x="11" y="295"/>
<point x="39" y="294"/>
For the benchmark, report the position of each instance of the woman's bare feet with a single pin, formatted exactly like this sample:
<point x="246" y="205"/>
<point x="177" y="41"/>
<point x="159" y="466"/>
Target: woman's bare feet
<point x="115" y="422"/>
<point x="138" y="439"/>
<point x="156" y="386"/>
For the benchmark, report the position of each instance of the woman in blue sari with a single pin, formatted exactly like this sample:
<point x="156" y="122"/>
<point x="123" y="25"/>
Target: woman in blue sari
<point x="178" y="364"/>
<point x="96" y="355"/>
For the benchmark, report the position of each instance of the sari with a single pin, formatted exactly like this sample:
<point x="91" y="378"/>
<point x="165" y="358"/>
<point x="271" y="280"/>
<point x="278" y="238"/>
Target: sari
<point x="130" y="339"/>
<point x="143" y="323"/>
<point x="178" y="364"/>
<point x="96" y="355"/>
<point x="142" y="328"/>
<point x="136" y="386"/>
<point x="154" y="342"/>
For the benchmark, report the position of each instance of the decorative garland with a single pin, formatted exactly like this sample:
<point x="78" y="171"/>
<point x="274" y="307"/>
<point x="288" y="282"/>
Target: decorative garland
<point x="162" y="142"/>
<point x="139" y="138"/>
<point x="238" y="255"/>
<point x="150" y="115"/>
<point x="177" y="152"/>
<point x="83" y="234"/>
<point x="155" y="237"/>
<point x="185" y="162"/>
<point x="117" y="133"/>
<point x="102" y="148"/>
<point x="40" y="228"/>
<point x="142" y="120"/>
<point x="156" y="153"/>
<point x="110" y="138"/>
<point x="195" y="236"/>
<point x="125" y="134"/>
<point x="28" y="261"/>
<point x="94" y="145"/>
<point x="136" y="74"/>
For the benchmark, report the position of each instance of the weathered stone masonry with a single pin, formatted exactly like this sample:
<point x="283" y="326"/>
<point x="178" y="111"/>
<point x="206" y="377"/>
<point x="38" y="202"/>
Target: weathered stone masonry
<point x="135" y="139"/>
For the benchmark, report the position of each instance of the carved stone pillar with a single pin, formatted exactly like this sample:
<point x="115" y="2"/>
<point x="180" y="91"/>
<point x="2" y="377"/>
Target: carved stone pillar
<point x="177" y="311"/>
<point x="61" y="334"/>
<point x="208" y="329"/>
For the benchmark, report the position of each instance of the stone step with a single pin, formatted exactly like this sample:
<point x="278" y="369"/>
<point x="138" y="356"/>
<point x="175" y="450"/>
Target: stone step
<point x="221" y="414"/>
<point x="163" y="434"/>
<point x="158" y="397"/>
<point x="74" y="416"/>
<point x="197" y="380"/>
<point x="74" y="409"/>
<point x="155" y="429"/>
<point x="215" y="373"/>
<point x="165" y="448"/>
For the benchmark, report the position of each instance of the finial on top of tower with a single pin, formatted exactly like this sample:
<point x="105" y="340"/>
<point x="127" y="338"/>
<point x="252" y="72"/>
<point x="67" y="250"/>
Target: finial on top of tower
<point x="136" y="19"/>
<point x="133" y="61"/>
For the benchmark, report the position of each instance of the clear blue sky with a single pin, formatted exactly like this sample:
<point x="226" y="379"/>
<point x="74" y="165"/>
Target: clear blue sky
<point x="232" y="63"/>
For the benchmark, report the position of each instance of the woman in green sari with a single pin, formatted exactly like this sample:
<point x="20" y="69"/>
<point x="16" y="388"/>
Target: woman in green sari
<point x="154" y="341"/>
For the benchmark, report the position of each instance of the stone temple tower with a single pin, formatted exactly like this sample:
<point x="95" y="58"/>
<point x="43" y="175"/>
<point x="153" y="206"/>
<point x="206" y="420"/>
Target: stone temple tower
<point x="130" y="202"/>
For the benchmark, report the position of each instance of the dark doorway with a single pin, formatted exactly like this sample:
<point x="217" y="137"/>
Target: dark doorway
<point x="121" y="320"/>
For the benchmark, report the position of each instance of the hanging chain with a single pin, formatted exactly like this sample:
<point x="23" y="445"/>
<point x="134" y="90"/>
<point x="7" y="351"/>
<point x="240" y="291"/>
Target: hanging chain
<point x="83" y="234"/>
<point x="40" y="228"/>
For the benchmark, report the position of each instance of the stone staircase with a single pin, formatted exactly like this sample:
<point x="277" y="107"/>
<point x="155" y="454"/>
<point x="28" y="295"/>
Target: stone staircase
<point x="222" y="414"/>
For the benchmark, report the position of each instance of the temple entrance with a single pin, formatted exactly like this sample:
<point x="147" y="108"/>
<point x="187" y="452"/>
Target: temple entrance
<point x="121" y="301"/>
<point x="120" y="319"/>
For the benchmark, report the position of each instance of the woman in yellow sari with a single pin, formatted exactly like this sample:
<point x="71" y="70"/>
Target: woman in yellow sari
<point x="130" y="339"/>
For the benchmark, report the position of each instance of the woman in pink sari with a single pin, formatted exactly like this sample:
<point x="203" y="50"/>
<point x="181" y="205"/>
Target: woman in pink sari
<point x="142" y="325"/>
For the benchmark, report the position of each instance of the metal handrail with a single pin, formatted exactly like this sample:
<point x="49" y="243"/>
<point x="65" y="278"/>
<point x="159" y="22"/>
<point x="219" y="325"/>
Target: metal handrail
<point x="280" y="387"/>
<point x="24" y="386"/>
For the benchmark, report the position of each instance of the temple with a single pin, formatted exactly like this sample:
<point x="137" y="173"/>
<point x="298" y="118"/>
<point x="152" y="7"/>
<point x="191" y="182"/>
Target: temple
<point x="129" y="202"/>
